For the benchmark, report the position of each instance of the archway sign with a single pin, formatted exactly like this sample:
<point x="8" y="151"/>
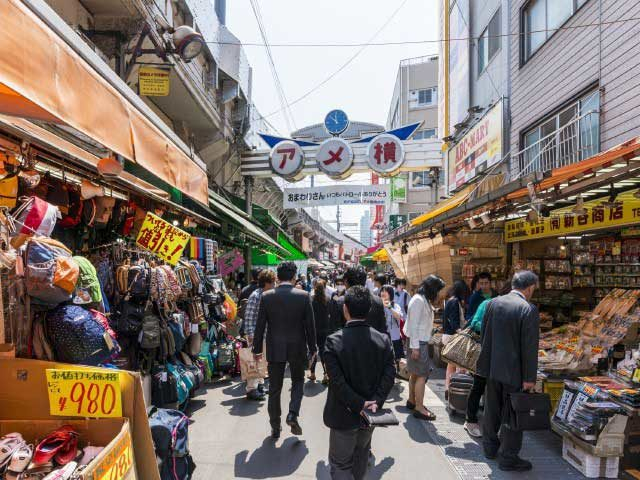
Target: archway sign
<point x="385" y="154"/>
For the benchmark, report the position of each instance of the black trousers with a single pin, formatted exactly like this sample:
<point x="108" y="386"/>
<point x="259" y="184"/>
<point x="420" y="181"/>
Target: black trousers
<point x="495" y="402"/>
<point x="321" y="338"/>
<point x="473" y="402"/>
<point x="276" y="378"/>
<point x="349" y="453"/>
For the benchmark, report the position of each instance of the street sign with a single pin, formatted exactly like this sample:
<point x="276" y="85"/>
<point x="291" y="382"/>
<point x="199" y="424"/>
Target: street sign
<point x="335" y="158"/>
<point x="154" y="81"/>
<point x="396" y="221"/>
<point x="287" y="159"/>
<point x="385" y="154"/>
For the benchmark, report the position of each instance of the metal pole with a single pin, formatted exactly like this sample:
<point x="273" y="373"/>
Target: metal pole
<point x="338" y="218"/>
<point x="248" y="202"/>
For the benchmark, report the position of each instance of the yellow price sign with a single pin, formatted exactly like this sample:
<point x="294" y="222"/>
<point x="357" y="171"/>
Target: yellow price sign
<point x="84" y="393"/>
<point x="116" y="464"/>
<point x="636" y="375"/>
<point x="154" y="82"/>
<point x="162" y="238"/>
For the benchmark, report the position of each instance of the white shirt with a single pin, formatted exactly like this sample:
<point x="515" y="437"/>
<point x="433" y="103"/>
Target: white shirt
<point x="370" y="285"/>
<point x="393" y="324"/>
<point x="419" y="321"/>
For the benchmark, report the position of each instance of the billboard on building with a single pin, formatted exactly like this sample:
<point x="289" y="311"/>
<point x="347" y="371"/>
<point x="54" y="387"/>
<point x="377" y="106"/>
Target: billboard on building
<point x="459" y="95"/>
<point x="479" y="149"/>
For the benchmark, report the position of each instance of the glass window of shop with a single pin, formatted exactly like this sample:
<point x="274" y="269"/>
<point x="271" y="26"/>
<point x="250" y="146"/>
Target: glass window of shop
<point x="489" y="43"/>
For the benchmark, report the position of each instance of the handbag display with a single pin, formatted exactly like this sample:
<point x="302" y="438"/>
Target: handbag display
<point x="529" y="411"/>
<point x="463" y="350"/>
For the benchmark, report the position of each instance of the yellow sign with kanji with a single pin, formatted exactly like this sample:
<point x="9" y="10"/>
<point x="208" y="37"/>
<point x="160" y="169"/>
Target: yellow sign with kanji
<point x="84" y="393"/>
<point x="162" y="238"/>
<point x="596" y="215"/>
<point x="117" y="462"/>
<point x="154" y="81"/>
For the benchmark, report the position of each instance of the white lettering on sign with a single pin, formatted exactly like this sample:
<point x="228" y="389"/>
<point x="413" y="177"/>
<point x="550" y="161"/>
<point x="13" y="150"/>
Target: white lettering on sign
<point x="335" y="157"/>
<point x="287" y="159"/>
<point x="385" y="154"/>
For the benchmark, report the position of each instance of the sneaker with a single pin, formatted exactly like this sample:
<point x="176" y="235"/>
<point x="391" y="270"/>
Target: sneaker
<point x="514" y="465"/>
<point x="473" y="429"/>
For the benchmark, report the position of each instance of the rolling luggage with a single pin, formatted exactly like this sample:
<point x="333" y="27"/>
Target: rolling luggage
<point x="459" y="389"/>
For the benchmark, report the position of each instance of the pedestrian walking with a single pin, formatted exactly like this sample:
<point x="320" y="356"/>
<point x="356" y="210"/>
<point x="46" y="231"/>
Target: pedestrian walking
<point x="361" y="370"/>
<point x="320" y="306"/>
<point x="509" y="362"/>
<point x="453" y="321"/>
<point x="418" y="329"/>
<point x="336" y="317"/>
<point x="395" y="320"/>
<point x="378" y="282"/>
<point x="286" y="315"/>
<point x="266" y="283"/>
<point x="401" y="296"/>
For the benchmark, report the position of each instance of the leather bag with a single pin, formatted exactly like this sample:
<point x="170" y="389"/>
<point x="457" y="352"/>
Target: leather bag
<point x="529" y="411"/>
<point x="463" y="350"/>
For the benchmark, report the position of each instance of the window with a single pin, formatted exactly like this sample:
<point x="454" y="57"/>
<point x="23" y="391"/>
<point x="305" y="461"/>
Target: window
<point x="414" y="215"/>
<point x="542" y="18"/>
<point x="420" y="180"/>
<point x="424" y="134"/>
<point x="395" y="120"/>
<point x="569" y="136"/>
<point x="489" y="42"/>
<point x="427" y="96"/>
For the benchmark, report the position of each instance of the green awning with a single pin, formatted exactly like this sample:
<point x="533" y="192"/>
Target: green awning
<point x="293" y="253"/>
<point x="367" y="260"/>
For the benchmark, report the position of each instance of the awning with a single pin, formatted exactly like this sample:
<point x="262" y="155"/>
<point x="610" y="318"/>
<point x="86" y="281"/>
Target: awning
<point x="445" y="205"/>
<point x="242" y="220"/>
<point x="315" y="263"/>
<point x="42" y="77"/>
<point x="380" y="256"/>
<point x="294" y="254"/>
<point x="367" y="259"/>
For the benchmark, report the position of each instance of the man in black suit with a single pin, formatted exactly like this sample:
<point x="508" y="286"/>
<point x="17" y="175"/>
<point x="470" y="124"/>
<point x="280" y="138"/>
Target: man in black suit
<point x="287" y="316"/>
<point x="509" y="362"/>
<point x="361" y="369"/>
<point x="357" y="276"/>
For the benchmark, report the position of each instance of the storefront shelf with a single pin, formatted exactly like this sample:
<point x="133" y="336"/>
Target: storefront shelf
<point x="615" y="264"/>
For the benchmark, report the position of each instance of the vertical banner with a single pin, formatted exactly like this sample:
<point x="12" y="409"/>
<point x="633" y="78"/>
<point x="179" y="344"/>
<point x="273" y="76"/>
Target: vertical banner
<point x="399" y="189"/>
<point x="458" y="62"/>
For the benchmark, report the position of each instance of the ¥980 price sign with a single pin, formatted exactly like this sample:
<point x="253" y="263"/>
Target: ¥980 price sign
<point x="84" y="393"/>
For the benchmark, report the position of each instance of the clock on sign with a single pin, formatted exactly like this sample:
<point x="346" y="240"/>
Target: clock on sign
<point x="336" y="122"/>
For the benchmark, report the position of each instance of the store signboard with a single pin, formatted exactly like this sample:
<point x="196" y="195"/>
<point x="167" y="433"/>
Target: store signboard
<point x="399" y="189"/>
<point x="84" y="393"/>
<point x="395" y="221"/>
<point x="154" y="81"/>
<point x="564" y="222"/>
<point x="287" y="159"/>
<point x="478" y="150"/>
<point x="335" y="157"/>
<point x="336" y="195"/>
<point x="162" y="238"/>
<point x="385" y="154"/>
<point x="230" y="262"/>
<point x="118" y="461"/>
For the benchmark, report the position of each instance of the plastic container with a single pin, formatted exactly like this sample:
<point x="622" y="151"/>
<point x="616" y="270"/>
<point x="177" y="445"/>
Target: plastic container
<point x="589" y="465"/>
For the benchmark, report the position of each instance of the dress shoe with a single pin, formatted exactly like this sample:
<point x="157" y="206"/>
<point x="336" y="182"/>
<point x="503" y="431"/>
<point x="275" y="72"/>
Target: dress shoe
<point x="514" y="465"/>
<point x="490" y="453"/>
<point x="275" y="432"/>
<point x="292" y="421"/>
<point x="255" y="395"/>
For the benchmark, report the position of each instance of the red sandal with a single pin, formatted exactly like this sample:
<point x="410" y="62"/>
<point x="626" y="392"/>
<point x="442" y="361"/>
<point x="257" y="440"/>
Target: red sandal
<point x="60" y="445"/>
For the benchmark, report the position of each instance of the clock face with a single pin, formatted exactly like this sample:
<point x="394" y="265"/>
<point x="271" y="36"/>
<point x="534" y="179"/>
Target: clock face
<point x="336" y="122"/>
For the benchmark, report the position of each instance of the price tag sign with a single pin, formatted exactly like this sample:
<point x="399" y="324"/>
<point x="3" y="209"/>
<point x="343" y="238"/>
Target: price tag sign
<point x="84" y="393"/>
<point x="162" y="238"/>
<point x="116" y="464"/>
<point x="564" y="404"/>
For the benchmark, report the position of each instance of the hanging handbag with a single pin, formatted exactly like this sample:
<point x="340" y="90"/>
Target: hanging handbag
<point x="529" y="411"/>
<point x="463" y="350"/>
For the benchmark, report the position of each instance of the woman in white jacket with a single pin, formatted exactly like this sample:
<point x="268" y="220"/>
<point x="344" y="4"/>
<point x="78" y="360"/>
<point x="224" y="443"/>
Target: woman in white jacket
<point x="418" y="329"/>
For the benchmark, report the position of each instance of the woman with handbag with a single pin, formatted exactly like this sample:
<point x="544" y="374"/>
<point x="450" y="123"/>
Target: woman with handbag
<point x="418" y="330"/>
<point x="453" y="321"/>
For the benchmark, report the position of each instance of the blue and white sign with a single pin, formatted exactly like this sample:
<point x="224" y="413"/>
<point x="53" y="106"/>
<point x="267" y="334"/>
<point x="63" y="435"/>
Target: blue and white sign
<point x="336" y="122"/>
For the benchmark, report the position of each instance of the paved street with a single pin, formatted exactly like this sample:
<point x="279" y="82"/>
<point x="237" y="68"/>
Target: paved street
<point x="230" y="439"/>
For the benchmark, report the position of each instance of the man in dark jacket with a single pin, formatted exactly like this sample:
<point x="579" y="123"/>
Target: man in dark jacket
<point x="361" y="369"/>
<point x="509" y="362"/>
<point x="287" y="316"/>
<point x="252" y="287"/>
<point x="357" y="276"/>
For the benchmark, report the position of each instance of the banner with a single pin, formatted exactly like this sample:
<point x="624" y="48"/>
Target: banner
<point x="625" y="211"/>
<point x="154" y="81"/>
<point x="162" y="238"/>
<point x="230" y="262"/>
<point x="336" y="195"/>
<point x="399" y="189"/>
<point x="395" y="221"/>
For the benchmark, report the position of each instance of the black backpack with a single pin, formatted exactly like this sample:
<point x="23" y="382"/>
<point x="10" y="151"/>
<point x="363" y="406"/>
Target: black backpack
<point x="170" y="433"/>
<point x="164" y="387"/>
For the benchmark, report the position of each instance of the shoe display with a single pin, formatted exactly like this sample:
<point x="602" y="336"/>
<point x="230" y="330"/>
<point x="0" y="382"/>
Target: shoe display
<point x="515" y="465"/>
<point x="9" y="444"/>
<point x="473" y="429"/>
<point x="88" y="454"/>
<point x="20" y="459"/>
<point x="63" y="473"/>
<point x="60" y="445"/>
<point x="292" y="421"/>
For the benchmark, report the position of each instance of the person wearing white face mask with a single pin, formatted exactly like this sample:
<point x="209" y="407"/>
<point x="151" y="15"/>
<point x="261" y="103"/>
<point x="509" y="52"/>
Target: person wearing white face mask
<point x="335" y="310"/>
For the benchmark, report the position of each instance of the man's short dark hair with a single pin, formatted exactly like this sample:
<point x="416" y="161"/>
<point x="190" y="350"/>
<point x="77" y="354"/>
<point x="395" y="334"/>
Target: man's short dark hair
<point x="400" y="281"/>
<point x="524" y="279"/>
<point x="266" y="276"/>
<point x="381" y="279"/>
<point x="287" y="271"/>
<point x="358" y="302"/>
<point x="255" y="273"/>
<point x="355" y="276"/>
<point x="485" y="275"/>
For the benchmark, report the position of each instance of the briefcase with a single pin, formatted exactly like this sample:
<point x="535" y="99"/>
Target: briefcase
<point x="529" y="411"/>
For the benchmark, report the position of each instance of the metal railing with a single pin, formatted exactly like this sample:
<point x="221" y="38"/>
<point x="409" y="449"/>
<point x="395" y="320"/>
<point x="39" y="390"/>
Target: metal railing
<point x="407" y="62"/>
<point x="577" y="140"/>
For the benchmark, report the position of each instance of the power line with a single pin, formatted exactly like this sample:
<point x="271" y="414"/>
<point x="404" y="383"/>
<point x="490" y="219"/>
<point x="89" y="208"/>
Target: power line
<point x="418" y="42"/>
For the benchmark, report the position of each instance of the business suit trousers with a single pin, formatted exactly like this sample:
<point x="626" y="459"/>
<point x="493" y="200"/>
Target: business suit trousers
<point x="349" y="453"/>
<point x="495" y="415"/>
<point x="473" y="402"/>
<point x="276" y="378"/>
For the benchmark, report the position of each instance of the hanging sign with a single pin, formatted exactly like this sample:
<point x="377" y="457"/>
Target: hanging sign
<point x="230" y="262"/>
<point x="335" y="158"/>
<point x="154" y="81"/>
<point x="162" y="238"/>
<point x="399" y="189"/>
<point x="564" y="222"/>
<point x="287" y="159"/>
<point x="395" y="221"/>
<point x="84" y="393"/>
<point x="385" y="154"/>
<point x="336" y="195"/>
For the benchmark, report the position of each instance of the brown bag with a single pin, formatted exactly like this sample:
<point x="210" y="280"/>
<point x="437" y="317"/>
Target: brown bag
<point x="463" y="350"/>
<point x="249" y="367"/>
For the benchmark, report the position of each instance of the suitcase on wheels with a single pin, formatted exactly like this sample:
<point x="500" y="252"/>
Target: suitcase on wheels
<point x="459" y="389"/>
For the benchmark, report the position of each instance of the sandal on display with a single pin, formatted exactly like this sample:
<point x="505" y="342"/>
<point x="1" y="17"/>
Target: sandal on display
<point x="9" y="444"/>
<point x="19" y="461"/>
<point x="63" y="473"/>
<point x="36" y="472"/>
<point x="60" y="445"/>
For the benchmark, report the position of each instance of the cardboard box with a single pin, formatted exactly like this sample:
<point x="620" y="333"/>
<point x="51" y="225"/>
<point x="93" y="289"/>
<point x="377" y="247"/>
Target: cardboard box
<point x="112" y="433"/>
<point x="589" y="465"/>
<point x="24" y="395"/>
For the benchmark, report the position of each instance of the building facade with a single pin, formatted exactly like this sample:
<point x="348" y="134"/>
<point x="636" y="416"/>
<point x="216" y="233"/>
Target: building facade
<point x="365" y="229"/>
